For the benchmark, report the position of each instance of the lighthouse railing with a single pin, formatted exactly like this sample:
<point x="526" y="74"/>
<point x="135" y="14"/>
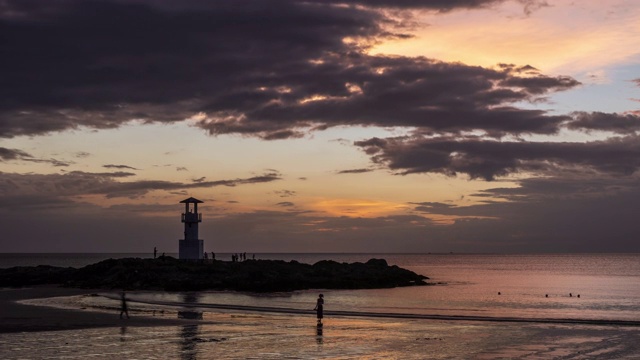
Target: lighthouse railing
<point x="191" y="217"/>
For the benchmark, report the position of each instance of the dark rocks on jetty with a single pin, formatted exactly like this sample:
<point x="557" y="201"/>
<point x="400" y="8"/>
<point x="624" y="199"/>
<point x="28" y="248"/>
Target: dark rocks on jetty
<point x="169" y="274"/>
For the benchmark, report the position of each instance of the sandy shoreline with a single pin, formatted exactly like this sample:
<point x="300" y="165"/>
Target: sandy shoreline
<point x="15" y="317"/>
<point x="28" y="331"/>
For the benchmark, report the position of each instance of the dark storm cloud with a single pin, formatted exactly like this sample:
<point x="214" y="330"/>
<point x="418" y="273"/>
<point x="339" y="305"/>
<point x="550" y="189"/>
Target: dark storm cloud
<point x="541" y="84"/>
<point x="617" y="123"/>
<point x="487" y="159"/>
<point x="36" y="202"/>
<point x="393" y="91"/>
<point x="117" y="174"/>
<point x="532" y="5"/>
<point x="285" y="193"/>
<point x="48" y="186"/>
<point x="84" y="183"/>
<point x="101" y="63"/>
<point x="429" y="5"/>
<point x="285" y="204"/>
<point x="565" y="188"/>
<point x="13" y="154"/>
<point x="435" y="208"/>
<point x="112" y="166"/>
<point x="16" y="154"/>
<point x="354" y="171"/>
<point x="139" y="188"/>
<point x="550" y="214"/>
<point x="439" y="5"/>
<point x="53" y="162"/>
<point x="268" y="69"/>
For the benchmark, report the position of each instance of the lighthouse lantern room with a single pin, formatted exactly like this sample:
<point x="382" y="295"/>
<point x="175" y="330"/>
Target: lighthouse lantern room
<point x="191" y="248"/>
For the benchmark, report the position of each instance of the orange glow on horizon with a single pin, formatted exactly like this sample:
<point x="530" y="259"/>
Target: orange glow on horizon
<point x="357" y="207"/>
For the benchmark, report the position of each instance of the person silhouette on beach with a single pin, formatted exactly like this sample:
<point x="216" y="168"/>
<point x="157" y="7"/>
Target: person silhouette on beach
<point x="319" y="309"/>
<point x="123" y="305"/>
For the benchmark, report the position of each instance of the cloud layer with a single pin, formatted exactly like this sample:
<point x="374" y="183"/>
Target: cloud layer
<point x="488" y="159"/>
<point x="283" y="69"/>
<point x="78" y="183"/>
<point x="230" y="67"/>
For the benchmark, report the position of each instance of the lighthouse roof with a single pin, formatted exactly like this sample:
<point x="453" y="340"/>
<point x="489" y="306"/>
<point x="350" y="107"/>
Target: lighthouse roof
<point x="191" y="200"/>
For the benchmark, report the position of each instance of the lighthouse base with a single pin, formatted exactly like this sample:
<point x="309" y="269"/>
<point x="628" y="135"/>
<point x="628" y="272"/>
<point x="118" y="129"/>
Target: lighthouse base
<point x="191" y="250"/>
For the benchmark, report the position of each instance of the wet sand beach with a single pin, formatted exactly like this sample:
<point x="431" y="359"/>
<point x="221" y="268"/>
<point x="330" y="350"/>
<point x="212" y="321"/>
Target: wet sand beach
<point x="35" y="332"/>
<point x="17" y="317"/>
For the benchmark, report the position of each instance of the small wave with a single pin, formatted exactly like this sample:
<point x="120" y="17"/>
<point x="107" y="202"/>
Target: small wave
<point x="393" y="315"/>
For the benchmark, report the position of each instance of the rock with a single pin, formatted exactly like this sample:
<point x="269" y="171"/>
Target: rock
<point x="377" y="262"/>
<point x="34" y="275"/>
<point x="170" y="274"/>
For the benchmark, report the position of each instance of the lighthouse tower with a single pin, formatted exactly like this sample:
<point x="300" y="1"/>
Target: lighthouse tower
<point x="191" y="248"/>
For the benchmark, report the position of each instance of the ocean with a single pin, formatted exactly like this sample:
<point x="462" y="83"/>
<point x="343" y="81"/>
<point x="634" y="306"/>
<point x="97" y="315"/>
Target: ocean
<point x="485" y="306"/>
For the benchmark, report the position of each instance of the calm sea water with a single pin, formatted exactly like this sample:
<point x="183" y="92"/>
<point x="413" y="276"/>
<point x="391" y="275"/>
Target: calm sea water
<point x="574" y="286"/>
<point x="608" y="285"/>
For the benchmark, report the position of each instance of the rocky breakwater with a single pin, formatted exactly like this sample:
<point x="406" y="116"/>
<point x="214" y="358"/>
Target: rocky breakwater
<point x="169" y="274"/>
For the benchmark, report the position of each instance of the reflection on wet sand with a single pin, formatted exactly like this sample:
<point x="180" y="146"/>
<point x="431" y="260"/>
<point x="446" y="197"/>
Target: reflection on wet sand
<point x="189" y="333"/>
<point x="190" y="314"/>
<point x="239" y="336"/>
<point x="189" y="336"/>
<point x="319" y="334"/>
<point x="189" y="300"/>
<point x="123" y="333"/>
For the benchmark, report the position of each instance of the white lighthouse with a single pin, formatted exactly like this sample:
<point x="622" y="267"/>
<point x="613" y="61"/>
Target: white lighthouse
<point x="191" y="248"/>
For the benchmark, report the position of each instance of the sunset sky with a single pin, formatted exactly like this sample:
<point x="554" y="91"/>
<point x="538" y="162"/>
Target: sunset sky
<point x="321" y="126"/>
